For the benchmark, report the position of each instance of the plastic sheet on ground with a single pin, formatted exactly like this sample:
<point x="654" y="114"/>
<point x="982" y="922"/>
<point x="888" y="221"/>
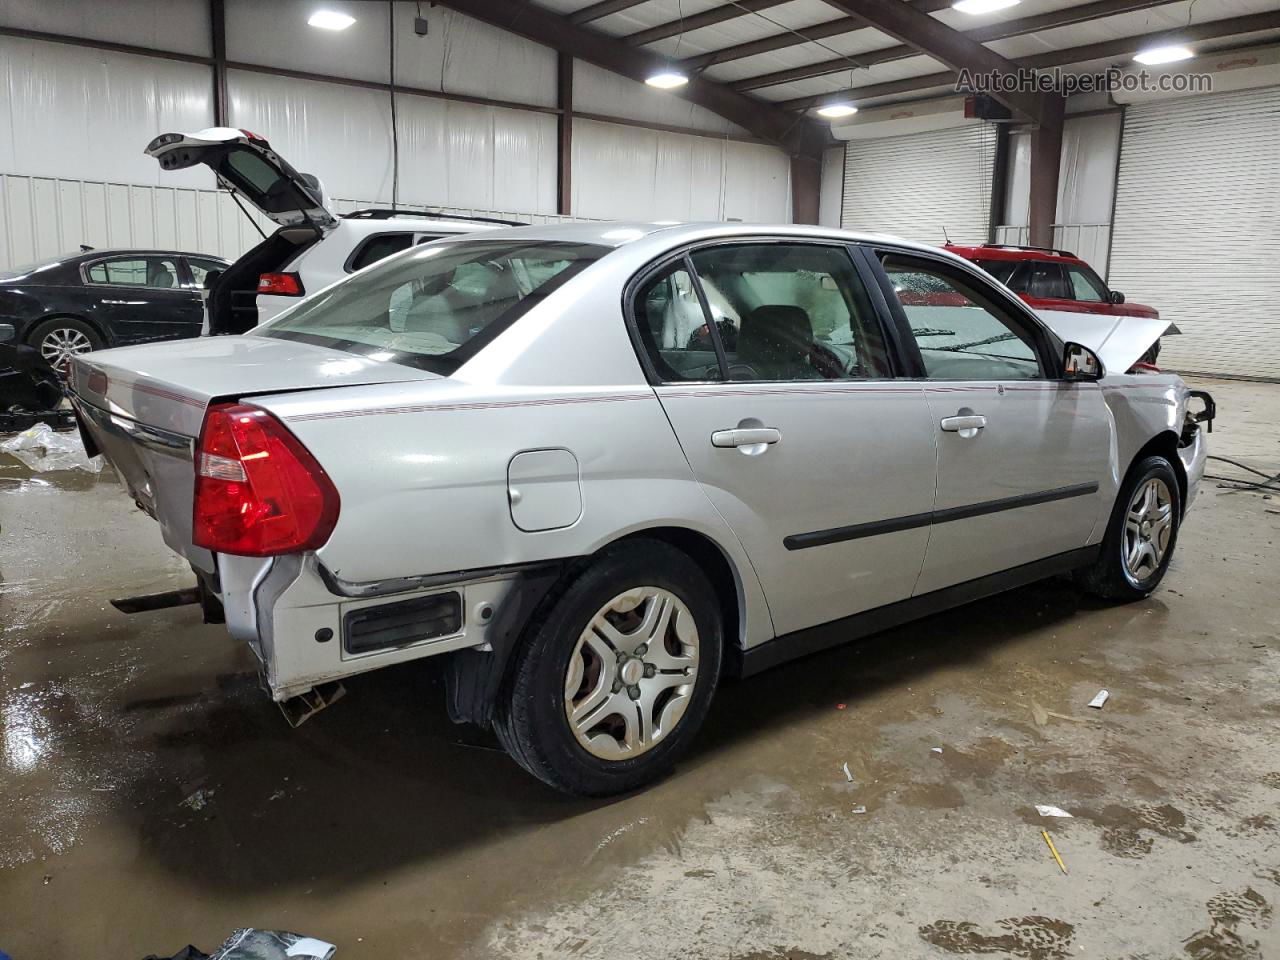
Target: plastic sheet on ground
<point x="250" y="944"/>
<point x="43" y="449"/>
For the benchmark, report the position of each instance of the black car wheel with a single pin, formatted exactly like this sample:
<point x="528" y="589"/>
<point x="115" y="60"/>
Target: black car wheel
<point x="62" y="338"/>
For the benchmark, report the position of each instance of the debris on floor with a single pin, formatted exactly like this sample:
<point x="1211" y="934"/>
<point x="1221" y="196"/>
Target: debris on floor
<point x="935" y="749"/>
<point x="1099" y="699"/>
<point x="42" y="449"/>
<point x="198" y="800"/>
<point x="1054" y="850"/>
<point x="1049" y="810"/>
<point x="250" y="944"/>
<point x="847" y="775"/>
<point x="859" y="809"/>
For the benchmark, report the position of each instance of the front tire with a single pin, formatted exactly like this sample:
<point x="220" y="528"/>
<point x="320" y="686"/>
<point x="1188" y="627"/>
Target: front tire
<point x="62" y="338"/>
<point x="616" y="675"/>
<point x="1141" y="534"/>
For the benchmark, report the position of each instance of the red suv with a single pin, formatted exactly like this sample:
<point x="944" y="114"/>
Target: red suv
<point x="1054" y="280"/>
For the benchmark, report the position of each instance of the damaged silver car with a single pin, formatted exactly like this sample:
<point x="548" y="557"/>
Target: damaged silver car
<point x="597" y="467"/>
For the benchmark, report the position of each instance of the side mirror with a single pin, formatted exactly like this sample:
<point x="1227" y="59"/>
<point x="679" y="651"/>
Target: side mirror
<point x="1117" y="296"/>
<point x="1080" y="364"/>
<point x="6" y="332"/>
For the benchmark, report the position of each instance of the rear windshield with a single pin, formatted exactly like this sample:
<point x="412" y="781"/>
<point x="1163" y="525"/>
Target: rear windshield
<point x="436" y="306"/>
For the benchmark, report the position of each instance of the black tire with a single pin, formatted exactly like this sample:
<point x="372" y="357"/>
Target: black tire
<point x="70" y="328"/>
<point x="1109" y="576"/>
<point x="530" y="718"/>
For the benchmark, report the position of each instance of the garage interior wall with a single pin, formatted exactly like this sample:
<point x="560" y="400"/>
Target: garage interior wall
<point x="922" y="186"/>
<point x="1086" y="188"/>
<point x="1197" y="227"/>
<point x="98" y="109"/>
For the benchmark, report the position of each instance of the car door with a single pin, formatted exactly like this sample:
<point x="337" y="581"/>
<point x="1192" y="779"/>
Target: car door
<point x="145" y="297"/>
<point x="1022" y="454"/>
<point x="773" y="366"/>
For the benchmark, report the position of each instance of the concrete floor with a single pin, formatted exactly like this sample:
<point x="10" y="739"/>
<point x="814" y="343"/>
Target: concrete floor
<point x="150" y="796"/>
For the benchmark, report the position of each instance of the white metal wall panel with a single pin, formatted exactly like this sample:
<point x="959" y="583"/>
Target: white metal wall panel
<point x="923" y="186"/>
<point x="42" y="217"/>
<point x="73" y="112"/>
<point x="1197" y="227"/>
<point x="458" y="54"/>
<point x="832" y="191"/>
<point x="461" y="154"/>
<point x="178" y="25"/>
<point x="622" y="172"/>
<point x="602" y="92"/>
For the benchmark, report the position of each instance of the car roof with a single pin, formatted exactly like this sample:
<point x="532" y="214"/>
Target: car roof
<point x="669" y="233"/>
<point x="986" y="251"/>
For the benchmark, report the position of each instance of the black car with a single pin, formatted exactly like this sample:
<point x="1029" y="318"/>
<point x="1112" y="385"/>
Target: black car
<point x="105" y="298"/>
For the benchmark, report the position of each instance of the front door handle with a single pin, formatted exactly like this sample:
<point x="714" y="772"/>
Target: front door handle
<point x="745" y="437"/>
<point x="966" y="425"/>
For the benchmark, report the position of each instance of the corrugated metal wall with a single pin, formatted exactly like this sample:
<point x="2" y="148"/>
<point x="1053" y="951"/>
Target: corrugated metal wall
<point x="81" y="118"/>
<point x="1197" y="227"/>
<point x="42" y="217"/>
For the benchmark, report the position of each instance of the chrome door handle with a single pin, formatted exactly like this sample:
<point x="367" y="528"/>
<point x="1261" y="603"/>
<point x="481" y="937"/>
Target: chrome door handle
<point x="966" y="426"/>
<point x="745" y="436"/>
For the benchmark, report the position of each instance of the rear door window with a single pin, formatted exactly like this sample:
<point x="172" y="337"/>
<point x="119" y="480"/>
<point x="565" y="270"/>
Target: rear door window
<point x="159" y="273"/>
<point x="1002" y="270"/>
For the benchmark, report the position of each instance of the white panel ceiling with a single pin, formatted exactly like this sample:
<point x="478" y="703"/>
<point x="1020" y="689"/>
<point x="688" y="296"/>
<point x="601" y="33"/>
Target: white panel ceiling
<point x="797" y="14"/>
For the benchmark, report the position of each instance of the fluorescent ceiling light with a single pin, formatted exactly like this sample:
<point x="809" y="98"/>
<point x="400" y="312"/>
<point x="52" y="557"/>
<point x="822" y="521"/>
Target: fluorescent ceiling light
<point x="835" y="110"/>
<point x="1158" y="55"/>
<point x="330" y="20"/>
<point x="666" y="80"/>
<point x="976" y="7"/>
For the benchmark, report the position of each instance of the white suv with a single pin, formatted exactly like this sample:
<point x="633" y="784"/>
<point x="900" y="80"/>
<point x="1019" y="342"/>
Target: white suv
<point x="313" y="247"/>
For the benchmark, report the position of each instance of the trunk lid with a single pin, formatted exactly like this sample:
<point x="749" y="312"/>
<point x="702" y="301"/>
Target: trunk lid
<point x="245" y="164"/>
<point x="142" y="408"/>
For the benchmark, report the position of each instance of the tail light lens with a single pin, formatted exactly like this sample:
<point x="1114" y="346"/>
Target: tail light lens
<point x="258" y="492"/>
<point x="281" y="284"/>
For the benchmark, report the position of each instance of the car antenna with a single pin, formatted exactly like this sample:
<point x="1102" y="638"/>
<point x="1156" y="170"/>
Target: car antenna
<point x="944" y="234"/>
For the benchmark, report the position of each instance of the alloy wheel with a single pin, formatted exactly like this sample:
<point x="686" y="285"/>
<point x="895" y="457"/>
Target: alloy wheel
<point x="60" y="344"/>
<point x="1148" y="528"/>
<point x="632" y="673"/>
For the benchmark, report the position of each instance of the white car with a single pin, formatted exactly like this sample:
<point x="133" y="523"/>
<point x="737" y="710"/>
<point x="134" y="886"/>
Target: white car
<point x="596" y="465"/>
<point x="313" y="247"/>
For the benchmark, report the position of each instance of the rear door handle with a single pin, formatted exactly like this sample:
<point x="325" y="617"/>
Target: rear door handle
<point x="966" y="426"/>
<point x="745" y="436"/>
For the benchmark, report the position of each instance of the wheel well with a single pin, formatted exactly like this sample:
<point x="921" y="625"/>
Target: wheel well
<point x="97" y="327"/>
<point x="1164" y="444"/>
<point x="707" y="555"/>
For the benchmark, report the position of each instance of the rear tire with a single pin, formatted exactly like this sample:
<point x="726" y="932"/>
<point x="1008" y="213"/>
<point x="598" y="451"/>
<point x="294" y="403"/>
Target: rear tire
<point x="1141" y="534"/>
<point x="62" y="338"/>
<point x="616" y="673"/>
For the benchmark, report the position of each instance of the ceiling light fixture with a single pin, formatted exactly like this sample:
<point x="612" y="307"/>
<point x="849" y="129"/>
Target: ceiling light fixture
<point x="330" y="20"/>
<point x="666" y="79"/>
<point x="1158" y="55"/>
<point x="976" y="7"/>
<point x="834" y="111"/>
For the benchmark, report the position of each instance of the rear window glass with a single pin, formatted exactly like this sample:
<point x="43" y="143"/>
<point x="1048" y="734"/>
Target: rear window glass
<point x="1002" y="270"/>
<point x="436" y="306"/>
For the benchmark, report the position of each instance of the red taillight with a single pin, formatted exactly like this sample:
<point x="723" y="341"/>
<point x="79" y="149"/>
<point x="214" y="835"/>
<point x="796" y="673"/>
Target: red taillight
<point x="258" y="491"/>
<point x="280" y="284"/>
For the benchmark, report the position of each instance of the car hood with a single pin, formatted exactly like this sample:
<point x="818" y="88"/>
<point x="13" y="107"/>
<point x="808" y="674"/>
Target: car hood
<point x="1118" y="341"/>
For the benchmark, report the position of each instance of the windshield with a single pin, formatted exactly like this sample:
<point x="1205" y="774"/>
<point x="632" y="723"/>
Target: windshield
<point x="434" y="307"/>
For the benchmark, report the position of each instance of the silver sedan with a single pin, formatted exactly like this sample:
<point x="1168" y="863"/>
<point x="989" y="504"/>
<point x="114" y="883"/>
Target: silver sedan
<point x="599" y="466"/>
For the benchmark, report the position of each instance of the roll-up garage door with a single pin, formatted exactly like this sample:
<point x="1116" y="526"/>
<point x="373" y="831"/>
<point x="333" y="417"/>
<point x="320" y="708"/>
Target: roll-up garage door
<point x="922" y="186"/>
<point x="1197" y="227"/>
